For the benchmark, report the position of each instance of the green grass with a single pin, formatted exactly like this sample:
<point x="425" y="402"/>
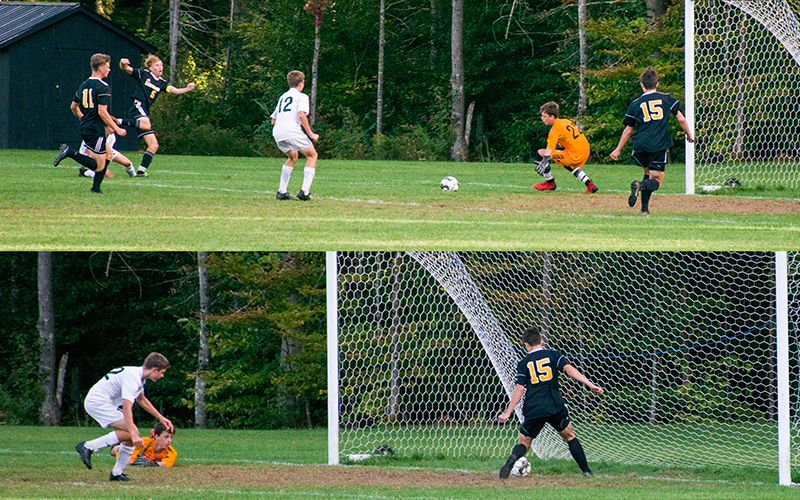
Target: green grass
<point x="37" y="462"/>
<point x="212" y="203"/>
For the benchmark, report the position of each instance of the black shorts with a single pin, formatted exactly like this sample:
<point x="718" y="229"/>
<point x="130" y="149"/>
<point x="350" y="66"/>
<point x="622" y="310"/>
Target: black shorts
<point x="533" y="426"/>
<point x="96" y="144"/>
<point x="652" y="161"/>
<point x="137" y="111"/>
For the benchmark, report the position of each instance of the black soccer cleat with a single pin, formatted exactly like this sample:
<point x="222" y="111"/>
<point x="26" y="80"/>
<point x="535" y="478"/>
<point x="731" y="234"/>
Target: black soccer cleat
<point x="588" y="473"/>
<point x="96" y="191"/>
<point x="284" y="196"/>
<point x="636" y="186"/>
<point x="85" y="453"/>
<point x="121" y="477"/>
<point x="62" y="153"/>
<point x="302" y="195"/>
<point x="142" y="173"/>
<point x="505" y="470"/>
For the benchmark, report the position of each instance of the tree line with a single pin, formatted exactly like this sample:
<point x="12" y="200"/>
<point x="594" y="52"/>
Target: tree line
<point x="252" y="330"/>
<point x="404" y="79"/>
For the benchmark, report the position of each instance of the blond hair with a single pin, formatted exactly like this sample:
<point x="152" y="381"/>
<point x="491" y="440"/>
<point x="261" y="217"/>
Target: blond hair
<point x="99" y="60"/>
<point x="151" y="60"/>
<point x="295" y="78"/>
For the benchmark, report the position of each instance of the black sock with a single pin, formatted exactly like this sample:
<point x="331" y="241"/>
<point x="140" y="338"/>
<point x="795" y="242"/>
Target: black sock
<point x="576" y="450"/>
<point x="648" y="186"/>
<point x="86" y="161"/>
<point x="519" y="450"/>
<point x="98" y="178"/>
<point x="146" y="159"/>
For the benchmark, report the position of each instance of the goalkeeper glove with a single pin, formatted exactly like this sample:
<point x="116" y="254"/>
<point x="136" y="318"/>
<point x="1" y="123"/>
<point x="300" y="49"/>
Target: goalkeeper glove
<point x="543" y="167"/>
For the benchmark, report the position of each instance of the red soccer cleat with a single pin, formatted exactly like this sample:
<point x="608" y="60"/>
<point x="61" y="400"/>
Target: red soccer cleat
<point x="546" y="185"/>
<point x="591" y="188"/>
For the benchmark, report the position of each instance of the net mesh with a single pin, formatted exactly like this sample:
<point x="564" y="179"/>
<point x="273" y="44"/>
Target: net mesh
<point x="747" y="92"/>
<point x="683" y="343"/>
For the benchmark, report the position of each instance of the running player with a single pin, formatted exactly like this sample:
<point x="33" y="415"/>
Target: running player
<point x="573" y="153"/>
<point x="537" y="378"/>
<point x="647" y="120"/>
<point x="121" y="387"/>
<point x="293" y="134"/>
<point x="90" y="106"/>
<point x="148" y="85"/>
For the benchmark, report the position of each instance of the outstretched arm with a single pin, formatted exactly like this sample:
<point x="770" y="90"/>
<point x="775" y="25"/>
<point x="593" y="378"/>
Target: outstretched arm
<point x="177" y="91"/>
<point x="515" y="397"/>
<point x="125" y="65"/>
<point x="685" y="126"/>
<point x="578" y="376"/>
<point x="149" y="408"/>
<point x="626" y="134"/>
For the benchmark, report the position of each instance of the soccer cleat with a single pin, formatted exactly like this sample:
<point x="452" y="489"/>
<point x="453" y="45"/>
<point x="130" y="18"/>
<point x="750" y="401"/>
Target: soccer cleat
<point x="130" y="171"/>
<point x="588" y="473"/>
<point x="636" y="186"/>
<point x="121" y="477"/>
<point x="645" y="212"/>
<point x="591" y="188"/>
<point x="62" y="153"/>
<point x="505" y="470"/>
<point x="96" y="191"/>
<point x="142" y="174"/>
<point x="85" y="453"/>
<point x="302" y="195"/>
<point x="82" y="172"/>
<point x="546" y="185"/>
<point x="284" y="196"/>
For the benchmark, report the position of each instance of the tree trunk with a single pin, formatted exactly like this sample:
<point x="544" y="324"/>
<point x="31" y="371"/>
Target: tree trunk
<point x="200" y="416"/>
<point x="174" y="23"/>
<point x="381" y="41"/>
<point x="434" y="24"/>
<point x="228" y="51"/>
<point x="655" y="9"/>
<point x="62" y="376"/>
<point x="459" y="152"/>
<point x="584" y="58"/>
<point x="149" y="17"/>
<point x="50" y="413"/>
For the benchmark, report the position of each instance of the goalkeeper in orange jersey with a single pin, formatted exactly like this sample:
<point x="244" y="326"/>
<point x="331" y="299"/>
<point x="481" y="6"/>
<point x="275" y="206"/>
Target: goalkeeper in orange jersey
<point x="157" y="450"/>
<point x="573" y="153"/>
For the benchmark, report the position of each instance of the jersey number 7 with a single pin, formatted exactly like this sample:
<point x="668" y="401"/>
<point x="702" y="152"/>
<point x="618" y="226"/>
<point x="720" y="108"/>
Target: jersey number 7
<point x="541" y="372"/>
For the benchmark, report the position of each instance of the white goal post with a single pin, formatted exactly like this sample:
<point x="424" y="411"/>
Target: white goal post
<point x="742" y="61"/>
<point x="697" y="351"/>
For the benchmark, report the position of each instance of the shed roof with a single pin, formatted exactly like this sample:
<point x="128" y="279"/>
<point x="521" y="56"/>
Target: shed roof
<point x="20" y="19"/>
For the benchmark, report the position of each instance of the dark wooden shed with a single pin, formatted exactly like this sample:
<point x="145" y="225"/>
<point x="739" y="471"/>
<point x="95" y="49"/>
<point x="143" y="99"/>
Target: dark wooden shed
<point x="45" y="50"/>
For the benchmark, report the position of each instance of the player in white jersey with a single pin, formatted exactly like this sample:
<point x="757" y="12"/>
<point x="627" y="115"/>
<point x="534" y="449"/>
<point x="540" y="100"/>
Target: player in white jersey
<point x="121" y="387"/>
<point x="293" y="134"/>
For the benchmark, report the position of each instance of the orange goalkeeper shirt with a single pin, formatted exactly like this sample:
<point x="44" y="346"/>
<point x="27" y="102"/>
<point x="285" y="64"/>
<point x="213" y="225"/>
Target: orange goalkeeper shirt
<point x="148" y="451"/>
<point x="571" y="139"/>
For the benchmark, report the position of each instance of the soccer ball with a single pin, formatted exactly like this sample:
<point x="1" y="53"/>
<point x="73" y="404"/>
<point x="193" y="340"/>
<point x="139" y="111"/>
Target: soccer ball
<point x="521" y="467"/>
<point x="449" y="183"/>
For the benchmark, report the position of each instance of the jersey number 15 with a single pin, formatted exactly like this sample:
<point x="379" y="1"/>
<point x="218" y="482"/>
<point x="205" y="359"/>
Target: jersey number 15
<point x="541" y="372"/>
<point x="652" y="110"/>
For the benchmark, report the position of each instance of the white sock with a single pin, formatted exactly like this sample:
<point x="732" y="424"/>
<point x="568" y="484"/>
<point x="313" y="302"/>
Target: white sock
<point x="89" y="173"/>
<point x="109" y="439"/>
<point x="580" y="174"/>
<point x="124" y="456"/>
<point x="286" y="174"/>
<point x="308" y="178"/>
<point x="548" y="176"/>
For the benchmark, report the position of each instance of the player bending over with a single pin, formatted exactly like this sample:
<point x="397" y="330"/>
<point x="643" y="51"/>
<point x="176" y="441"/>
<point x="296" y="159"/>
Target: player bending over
<point x="121" y="387"/>
<point x="293" y="134"/>
<point x="157" y="450"/>
<point x="572" y="156"/>
<point x="537" y="378"/>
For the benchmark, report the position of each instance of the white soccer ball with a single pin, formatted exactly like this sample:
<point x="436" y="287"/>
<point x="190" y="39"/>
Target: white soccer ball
<point x="449" y="183"/>
<point x="521" y="467"/>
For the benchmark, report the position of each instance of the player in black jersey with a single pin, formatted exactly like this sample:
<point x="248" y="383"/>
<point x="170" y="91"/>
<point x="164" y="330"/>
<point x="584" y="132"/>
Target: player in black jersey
<point x="90" y="105"/>
<point x="148" y="85"/>
<point x="647" y="120"/>
<point x="537" y="379"/>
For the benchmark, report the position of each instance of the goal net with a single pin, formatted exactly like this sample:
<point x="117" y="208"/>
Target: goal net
<point x="683" y="343"/>
<point x="747" y="92"/>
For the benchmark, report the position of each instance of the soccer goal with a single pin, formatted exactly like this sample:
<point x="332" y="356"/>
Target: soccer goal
<point x="698" y="353"/>
<point x="743" y="93"/>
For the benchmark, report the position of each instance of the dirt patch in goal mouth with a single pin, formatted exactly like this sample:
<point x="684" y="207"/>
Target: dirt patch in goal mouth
<point x="322" y="476"/>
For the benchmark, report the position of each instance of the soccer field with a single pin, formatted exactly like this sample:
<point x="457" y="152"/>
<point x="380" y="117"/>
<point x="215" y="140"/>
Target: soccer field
<point x="214" y="203"/>
<point x="38" y="462"/>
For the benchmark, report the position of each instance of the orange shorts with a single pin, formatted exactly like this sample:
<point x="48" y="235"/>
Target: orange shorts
<point x="568" y="160"/>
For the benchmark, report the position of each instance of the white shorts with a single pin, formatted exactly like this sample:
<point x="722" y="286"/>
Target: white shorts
<point x="295" y="144"/>
<point x="102" y="410"/>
